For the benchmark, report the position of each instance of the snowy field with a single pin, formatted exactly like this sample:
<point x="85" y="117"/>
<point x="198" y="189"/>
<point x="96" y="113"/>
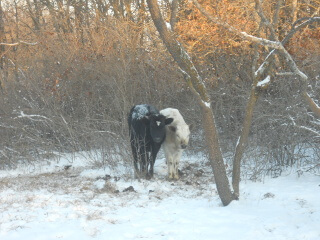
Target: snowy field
<point x="57" y="201"/>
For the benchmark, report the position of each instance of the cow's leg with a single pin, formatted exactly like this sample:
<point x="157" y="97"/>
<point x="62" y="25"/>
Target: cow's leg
<point x="175" y="168"/>
<point x="152" y="161"/>
<point x="167" y="152"/>
<point x="143" y="161"/>
<point x="154" y="151"/>
<point x="148" y="163"/>
<point x="176" y="160"/>
<point x="136" y="159"/>
<point x="142" y="158"/>
<point x="170" y="163"/>
<point x="169" y="160"/>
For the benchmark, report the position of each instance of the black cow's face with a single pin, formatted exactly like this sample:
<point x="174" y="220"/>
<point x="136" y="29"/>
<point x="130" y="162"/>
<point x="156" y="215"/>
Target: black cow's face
<point x="157" y="127"/>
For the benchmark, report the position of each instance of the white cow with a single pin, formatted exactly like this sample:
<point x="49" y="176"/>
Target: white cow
<point x="177" y="139"/>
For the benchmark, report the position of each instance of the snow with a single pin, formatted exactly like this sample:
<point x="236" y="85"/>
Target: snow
<point x="184" y="73"/>
<point x="142" y="110"/>
<point x="169" y="26"/>
<point x="84" y="202"/>
<point x="207" y="104"/>
<point x="264" y="82"/>
<point x="238" y="141"/>
<point x="23" y="115"/>
<point x="262" y="67"/>
<point x="262" y="41"/>
<point x="313" y="101"/>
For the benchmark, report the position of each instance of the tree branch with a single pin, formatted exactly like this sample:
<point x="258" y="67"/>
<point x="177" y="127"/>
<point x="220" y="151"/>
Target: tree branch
<point x="244" y="35"/>
<point x="276" y="45"/>
<point x="311" y="103"/>
<point x="18" y="43"/>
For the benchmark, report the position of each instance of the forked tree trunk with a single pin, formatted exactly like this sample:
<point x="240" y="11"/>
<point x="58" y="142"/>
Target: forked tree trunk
<point x="262" y="70"/>
<point x="199" y="90"/>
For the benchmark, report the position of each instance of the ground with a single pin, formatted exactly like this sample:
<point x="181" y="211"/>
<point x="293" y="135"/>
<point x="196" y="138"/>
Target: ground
<point x="74" y="200"/>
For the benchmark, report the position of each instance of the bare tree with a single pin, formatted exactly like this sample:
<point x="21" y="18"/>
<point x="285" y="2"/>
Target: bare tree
<point x="263" y="70"/>
<point x="198" y="88"/>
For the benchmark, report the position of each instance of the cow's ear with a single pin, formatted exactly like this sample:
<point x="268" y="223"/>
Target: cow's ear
<point x="172" y="128"/>
<point x="190" y="126"/>
<point x="168" y="121"/>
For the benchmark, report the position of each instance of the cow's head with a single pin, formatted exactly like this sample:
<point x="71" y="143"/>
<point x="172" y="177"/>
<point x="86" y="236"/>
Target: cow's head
<point x="182" y="133"/>
<point x="157" y="123"/>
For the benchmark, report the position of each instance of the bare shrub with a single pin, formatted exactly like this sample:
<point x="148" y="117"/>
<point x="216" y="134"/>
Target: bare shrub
<point x="73" y="99"/>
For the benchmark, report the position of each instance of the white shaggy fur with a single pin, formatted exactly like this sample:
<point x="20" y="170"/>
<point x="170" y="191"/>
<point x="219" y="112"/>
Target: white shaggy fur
<point x="177" y="139"/>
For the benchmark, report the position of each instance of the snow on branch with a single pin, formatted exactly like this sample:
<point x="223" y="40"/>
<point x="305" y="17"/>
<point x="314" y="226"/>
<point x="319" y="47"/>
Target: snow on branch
<point x="207" y="104"/>
<point x="315" y="132"/>
<point x="285" y="74"/>
<point x="277" y="45"/>
<point x="32" y="117"/>
<point x="264" y="82"/>
<point x="265" y="64"/>
<point x="309" y="129"/>
<point x="261" y="41"/>
<point x="305" y="21"/>
<point x="169" y="26"/>
<point x="18" y="43"/>
<point x="295" y="28"/>
<point x="292" y="64"/>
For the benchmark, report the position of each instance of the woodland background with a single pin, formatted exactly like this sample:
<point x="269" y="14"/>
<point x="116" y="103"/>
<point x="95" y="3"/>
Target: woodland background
<point x="71" y="70"/>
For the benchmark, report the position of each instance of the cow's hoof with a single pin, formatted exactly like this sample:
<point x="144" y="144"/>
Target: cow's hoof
<point x="172" y="179"/>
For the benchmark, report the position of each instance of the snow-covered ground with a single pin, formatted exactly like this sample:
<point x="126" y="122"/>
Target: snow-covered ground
<point x="82" y="202"/>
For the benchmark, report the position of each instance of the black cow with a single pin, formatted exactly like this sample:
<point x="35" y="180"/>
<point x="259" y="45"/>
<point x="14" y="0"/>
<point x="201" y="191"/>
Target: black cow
<point x="147" y="133"/>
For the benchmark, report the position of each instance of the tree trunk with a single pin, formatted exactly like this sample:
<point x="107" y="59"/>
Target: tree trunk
<point x="216" y="159"/>
<point x="3" y="70"/>
<point x="35" y="15"/>
<point x="53" y="15"/>
<point x="243" y="139"/>
<point x="198" y="88"/>
<point x="174" y="13"/>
